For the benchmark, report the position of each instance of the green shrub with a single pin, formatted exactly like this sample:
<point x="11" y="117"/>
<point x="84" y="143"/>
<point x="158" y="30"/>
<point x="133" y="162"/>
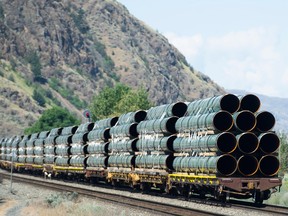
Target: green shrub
<point x="37" y="96"/>
<point x="1" y="12"/>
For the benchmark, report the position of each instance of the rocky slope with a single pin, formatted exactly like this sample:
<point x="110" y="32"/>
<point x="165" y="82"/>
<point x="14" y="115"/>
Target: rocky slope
<point x="67" y="51"/>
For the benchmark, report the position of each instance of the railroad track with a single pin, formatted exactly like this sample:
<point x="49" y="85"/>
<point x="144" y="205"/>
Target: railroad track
<point x="147" y="205"/>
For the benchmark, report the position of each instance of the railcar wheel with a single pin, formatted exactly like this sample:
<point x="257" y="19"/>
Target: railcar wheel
<point x="258" y="198"/>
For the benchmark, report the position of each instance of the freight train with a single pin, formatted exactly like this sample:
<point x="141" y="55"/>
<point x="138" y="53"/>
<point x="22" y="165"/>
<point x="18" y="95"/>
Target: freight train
<point x="221" y="146"/>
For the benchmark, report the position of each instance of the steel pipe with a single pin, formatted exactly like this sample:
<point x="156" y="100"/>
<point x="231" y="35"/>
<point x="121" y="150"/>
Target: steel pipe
<point x="99" y="148"/>
<point x="99" y="134"/>
<point x="105" y="123"/>
<point x="244" y="121"/>
<point x="84" y="128"/>
<point x="165" y="125"/>
<point x="247" y="142"/>
<point x="123" y="145"/>
<point x="249" y="102"/>
<point x="124" y="161"/>
<point x="228" y="102"/>
<point x="69" y="130"/>
<point x="269" y="165"/>
<point x="247" y="165"/>
<point x="97" y="161"/>
<point x="177" y="109"/>
<point x="265" y="121"/>
<point x="129" y="130"/>
<point x="156" y="143"/>
<point x="224" y="142"/>
<point x="132" y="117"/>
<point x="154" y="161"/>
<point x="219" y="121"/>
<point x="268" y="142"/>
<point x="221" y="165"/>
<point x="80" y="138"/>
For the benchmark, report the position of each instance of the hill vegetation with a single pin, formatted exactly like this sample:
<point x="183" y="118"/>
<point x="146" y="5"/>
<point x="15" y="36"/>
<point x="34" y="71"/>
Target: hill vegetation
<point x="62" y="53"/>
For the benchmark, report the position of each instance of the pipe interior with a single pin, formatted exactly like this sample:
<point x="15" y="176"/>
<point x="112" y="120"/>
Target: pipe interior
<point x="250" y="102"/>
<point x="269" y="143"/>
<point x="245" y="121"/>
<point x="140" y="116"/>
<point x="106" y="134"/>
<point x="226" y="165"/>
<point x="230" y="103"/>
<point x="269" y="165"/>
<point x="265" y="121"/>
<point x="113" y="121"/>
<point x="247" y="165"/>
<point x="248" y="143"/>
<point x="170" y="125"/>
<point x="133" y="130"/>
<point x="223" y="121"/>
<point x="179" y="109"/>
<point x="226" y="142"/>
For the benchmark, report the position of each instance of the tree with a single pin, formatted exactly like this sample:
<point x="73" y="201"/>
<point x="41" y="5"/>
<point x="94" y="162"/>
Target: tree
<point x="37" y="96"/>
<point x="53" y="118"/>
<point x="283" y="152"/>
<point x="34" y="60"/>
<point x="2" y="16"/>
<point x="118" y="100"/>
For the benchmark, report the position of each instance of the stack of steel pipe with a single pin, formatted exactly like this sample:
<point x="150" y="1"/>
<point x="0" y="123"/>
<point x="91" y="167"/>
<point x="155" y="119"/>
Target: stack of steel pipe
<point x="49" y="146"/>
<point x="22" y="149"/>
<point x="156" y="136"/>
<point x="2" y="148"/>
<point x="38" y="150"/>
<point x="97" y="144"/>
<point x="62" y="147"/>
<point x="124" y="136"/>
<point x="78" y="146"/>
<point x="30" y="148"/>
<point x="230" y="131"/>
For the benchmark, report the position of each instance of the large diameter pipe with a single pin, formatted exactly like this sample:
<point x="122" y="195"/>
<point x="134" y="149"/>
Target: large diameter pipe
<point x="269" y="165"/>
<point x="80" y="138"/>
<point x="156" y="143"/>
<point x="154" y="161"/>
<point x="97" y="161"/>
<point x="129" y="130"/>
<point x="69" y="130"/>
<point x="105" y="123"/>
<point x="247" y="165"/>
<point x="177" y="109"/>
<point x="224" y="142"/>
<point x="219" y="121"/>
<point x="99" y="148"/>
<point x="247" y="142"/>
<point x="221" y="165"/>
<point x="228" y="102"/>
<point x="165" y="125"/>
<point x="249" y="102"/>
<point x="123" y="145"/>
<point x="86" y="127"/>
<point x="268" y="142"/>
<point x="265" y="121"/>
<point x="99" y="134"/>
<point x="125" y="161"/>
<point x="67" y="139"/>
<point x="132" y="117"/>
<point x="244" y="121"/>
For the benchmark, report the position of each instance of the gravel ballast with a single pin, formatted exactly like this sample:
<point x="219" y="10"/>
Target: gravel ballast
<point x="31" y="201"/>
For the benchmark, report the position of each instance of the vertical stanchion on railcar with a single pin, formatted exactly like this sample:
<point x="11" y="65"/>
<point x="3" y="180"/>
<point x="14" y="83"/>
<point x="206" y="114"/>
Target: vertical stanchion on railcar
<point x="11" y="176"/>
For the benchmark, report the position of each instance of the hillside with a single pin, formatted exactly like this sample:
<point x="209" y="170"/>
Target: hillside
<point x="64" y="52"/>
